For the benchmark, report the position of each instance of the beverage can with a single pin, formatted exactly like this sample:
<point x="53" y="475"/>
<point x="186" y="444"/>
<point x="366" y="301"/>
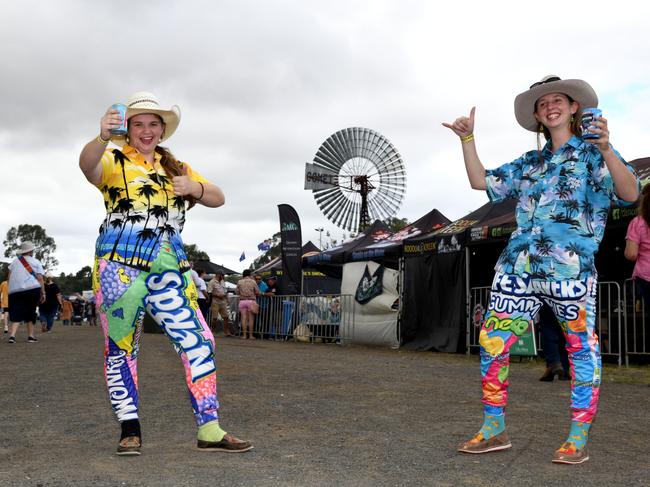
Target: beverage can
<point x="121" y="130"/>
<point x="588" y="116"/>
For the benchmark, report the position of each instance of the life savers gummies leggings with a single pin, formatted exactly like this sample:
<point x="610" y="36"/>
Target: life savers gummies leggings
<point x="123" y="295"/>
<point x="514" y="302"/>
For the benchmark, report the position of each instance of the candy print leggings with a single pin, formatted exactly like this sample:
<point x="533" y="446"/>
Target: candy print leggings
<point x="123" y="295"/>
<point x="514" y="303"/>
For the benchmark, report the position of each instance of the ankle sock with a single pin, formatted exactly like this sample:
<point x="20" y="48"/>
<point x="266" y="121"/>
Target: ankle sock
<point x="211" y="432"/>
<point x="494" y="421"/>
<point x="131" y="427"/>
<point x="578" y="434"/>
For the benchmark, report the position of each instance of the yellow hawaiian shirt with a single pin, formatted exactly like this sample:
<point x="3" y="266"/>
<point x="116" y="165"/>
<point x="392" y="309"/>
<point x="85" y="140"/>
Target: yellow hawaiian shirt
<point x="141" y="209"/>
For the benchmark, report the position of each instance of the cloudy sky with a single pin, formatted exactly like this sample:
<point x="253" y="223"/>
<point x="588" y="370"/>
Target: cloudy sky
<point x="261" y="84"/>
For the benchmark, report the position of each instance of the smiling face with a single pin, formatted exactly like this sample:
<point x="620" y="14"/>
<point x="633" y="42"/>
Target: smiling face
<point x="145" y="131"/>
<point x="555" y="110"/>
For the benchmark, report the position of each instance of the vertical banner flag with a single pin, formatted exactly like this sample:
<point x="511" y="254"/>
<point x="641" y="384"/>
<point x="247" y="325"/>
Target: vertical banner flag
<point x="291" y="246"/>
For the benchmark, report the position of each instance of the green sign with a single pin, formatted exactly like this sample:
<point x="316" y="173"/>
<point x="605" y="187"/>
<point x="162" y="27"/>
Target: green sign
<point x="525" y="345"/>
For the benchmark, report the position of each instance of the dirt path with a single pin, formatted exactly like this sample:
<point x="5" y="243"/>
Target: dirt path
<point x="319" y="415"/>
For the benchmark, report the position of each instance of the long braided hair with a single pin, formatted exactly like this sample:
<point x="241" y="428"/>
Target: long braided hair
<point x="173" y="167"/>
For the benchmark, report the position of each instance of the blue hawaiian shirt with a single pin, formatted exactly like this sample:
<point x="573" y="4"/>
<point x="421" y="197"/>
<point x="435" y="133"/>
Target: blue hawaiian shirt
<point x="563" y="203"/>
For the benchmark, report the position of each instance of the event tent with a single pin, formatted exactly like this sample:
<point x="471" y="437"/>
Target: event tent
<point x="331" y="260"/>
<point x="212" y="268"/>
<point x="389" y="250"/>
<point x="313" y="282"/>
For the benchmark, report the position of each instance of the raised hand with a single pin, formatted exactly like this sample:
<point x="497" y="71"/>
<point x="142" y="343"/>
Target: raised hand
<point x="462" y="126"/>
<point x="110" y="120"/>
<point x="599" y="126"/>
<point x="183" y="184"/>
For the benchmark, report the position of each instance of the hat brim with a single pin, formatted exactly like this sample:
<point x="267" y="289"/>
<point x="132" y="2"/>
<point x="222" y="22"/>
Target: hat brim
<point x="577" y="89"/>
<point x="171" y="118"/>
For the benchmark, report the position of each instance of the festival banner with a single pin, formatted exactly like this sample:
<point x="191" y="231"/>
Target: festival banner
<point x="290" y="245"/>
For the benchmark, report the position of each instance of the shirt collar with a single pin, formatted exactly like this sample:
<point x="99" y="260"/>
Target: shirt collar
<point x="129" y="150"/>
<point x="574" y="142"/>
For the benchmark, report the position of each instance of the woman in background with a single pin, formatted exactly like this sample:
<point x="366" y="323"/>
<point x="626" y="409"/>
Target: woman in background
<point x="637" y="246"/>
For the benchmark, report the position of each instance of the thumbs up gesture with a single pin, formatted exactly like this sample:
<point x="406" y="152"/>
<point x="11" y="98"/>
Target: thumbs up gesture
<point x="184" y="185"/>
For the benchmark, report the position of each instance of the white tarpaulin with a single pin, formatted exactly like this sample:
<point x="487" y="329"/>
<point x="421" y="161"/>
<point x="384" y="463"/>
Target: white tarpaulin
<point x="373" y="323"/>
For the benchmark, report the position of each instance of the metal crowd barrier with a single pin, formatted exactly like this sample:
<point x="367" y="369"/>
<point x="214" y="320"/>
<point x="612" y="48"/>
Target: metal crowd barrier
<point x="637" y="335"/>
<point x="609" y="319"/>
<point x="319" y="318"/>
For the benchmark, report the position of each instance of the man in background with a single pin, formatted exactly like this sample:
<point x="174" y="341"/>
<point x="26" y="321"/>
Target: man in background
<point x="26" y="290"/>
<point x="217" y="290"/>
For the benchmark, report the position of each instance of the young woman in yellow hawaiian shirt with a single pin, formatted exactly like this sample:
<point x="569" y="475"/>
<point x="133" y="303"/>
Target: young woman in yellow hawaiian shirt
<point x="141" y="267"/>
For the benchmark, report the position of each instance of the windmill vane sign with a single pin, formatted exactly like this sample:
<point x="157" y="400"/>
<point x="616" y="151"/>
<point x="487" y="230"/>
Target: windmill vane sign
<point x="357" y="176"/>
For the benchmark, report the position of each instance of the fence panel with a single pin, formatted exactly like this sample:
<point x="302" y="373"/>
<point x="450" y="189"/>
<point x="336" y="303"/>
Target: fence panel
<point x="318" y="318"/>
<point x="637" y="337"/>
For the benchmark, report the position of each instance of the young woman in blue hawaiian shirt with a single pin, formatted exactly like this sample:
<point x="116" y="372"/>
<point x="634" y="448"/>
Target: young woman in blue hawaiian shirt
<point x="564" y="190"/>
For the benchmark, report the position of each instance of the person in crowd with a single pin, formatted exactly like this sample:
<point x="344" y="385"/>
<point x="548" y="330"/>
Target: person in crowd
<point x="271" y="285"/>
<point x="261" y="284"/>
<point x="4" y="304"/>
<point x="141" y="265"/>
<point x="217" y="290"/>
<point x="261" y="320"/>
<point x="66" y="311"/>
<point x="26" y="290"/>
<point x="553" y="347"/>
<point x="564" y="190"/>
<point x="204" y="297"/>
<point x="637" y="247"/>
<point x="78" y="309"/>
<point x="53" y="301"/>
<point x="90" y="314"/>
<point x="247" y="291"/>
<point x="269" y="309"/>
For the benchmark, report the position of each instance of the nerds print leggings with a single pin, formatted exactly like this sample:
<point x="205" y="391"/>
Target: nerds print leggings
<point x="514" y="303"/>
<point x="123" y="295"/>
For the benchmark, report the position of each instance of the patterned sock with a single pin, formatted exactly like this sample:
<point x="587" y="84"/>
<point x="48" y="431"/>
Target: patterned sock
<point x="211" y="432"/>
<point x="577" y="437"/>
<point x="494" y="421"/>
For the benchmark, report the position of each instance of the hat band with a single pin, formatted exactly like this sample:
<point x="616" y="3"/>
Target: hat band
<point x="550" y="80"/>
<point x="154" y="102"/>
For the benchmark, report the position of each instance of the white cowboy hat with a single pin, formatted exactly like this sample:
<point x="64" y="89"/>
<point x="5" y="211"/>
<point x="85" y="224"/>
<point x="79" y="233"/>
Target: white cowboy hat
<point x="145" y="102"/>
<point x="577" y="89"/>
<point x="25" y="247"/>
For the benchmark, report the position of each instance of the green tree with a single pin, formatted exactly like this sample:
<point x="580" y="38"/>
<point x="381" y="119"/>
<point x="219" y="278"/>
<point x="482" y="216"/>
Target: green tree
<point x="75" y="283"/>
<point x="45" y="245"/>
<point x="194" y="253"/>
<point x="396" y="224"/>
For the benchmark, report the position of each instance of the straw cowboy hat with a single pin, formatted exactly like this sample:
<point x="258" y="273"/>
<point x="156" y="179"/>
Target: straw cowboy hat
<point x="145" y="102"/>
<point x="577" y="89"/>
<point x="25" y="247"/>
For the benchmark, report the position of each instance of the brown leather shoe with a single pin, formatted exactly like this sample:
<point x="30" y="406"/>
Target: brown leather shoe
<point x="568" y="454"/>
<point x="129" y="446"/>
<point x="229" y="444"/>
<point x="480" y="445"/>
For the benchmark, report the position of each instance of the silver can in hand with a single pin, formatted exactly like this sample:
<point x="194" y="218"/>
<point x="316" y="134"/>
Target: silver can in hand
<point x="588" y="116"/>
<point x="121" y="130"/>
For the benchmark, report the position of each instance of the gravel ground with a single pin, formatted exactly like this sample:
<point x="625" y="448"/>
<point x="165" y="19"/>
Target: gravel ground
<point x="318" y="414"/>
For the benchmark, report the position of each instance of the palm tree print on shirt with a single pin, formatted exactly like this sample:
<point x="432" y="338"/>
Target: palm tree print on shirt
<point x="564" y="202"/>
<point x="142" y="210"/>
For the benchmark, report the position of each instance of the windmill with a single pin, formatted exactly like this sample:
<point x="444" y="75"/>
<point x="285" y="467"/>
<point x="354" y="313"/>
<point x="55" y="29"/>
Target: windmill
<point x="357" y="177"/>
